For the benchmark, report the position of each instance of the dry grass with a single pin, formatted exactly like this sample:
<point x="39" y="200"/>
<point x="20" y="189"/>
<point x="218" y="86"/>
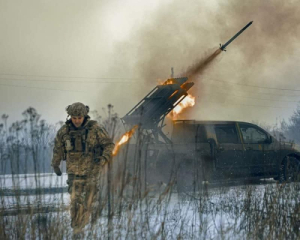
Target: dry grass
<point x="131" y="207"/>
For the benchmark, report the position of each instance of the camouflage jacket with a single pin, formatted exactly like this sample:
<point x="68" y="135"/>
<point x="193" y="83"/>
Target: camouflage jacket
<point x="80" y="146"/>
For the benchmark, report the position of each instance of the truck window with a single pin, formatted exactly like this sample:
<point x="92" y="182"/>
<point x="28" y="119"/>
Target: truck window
<point x="252" y="134"/>
<point x="226" y="133"/>
<point x="184" y="133"/>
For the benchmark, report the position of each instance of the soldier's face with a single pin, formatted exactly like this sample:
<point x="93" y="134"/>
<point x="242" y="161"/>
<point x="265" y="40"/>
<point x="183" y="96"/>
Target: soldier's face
<point x="77" y="121"/>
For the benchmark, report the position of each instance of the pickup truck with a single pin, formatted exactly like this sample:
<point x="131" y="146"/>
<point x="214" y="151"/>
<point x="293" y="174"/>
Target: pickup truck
<point x="205" y="151"/>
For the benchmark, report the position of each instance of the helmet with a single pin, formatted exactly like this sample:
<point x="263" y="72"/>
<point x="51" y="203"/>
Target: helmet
<point x="77" y="109"/>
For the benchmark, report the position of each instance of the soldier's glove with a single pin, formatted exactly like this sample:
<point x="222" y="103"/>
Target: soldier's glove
<point x="57" y="171"/>
<point x="101" y="160"/>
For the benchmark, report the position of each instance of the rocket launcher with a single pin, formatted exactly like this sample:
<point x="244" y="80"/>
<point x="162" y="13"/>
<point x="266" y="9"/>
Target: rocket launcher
<point x="151" y="111"/>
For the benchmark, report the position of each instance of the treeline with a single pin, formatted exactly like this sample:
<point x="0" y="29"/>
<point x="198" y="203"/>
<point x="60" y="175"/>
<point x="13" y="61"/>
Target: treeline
<point x="285" y="130"/>
<point x="26" y="145"/>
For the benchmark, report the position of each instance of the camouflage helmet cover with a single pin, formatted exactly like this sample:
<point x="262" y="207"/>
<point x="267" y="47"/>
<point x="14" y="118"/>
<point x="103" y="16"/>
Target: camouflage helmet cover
<point x="77" y="109"/>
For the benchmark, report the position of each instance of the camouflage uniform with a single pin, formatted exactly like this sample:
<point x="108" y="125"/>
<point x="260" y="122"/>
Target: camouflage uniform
<point x="85" y="150"/>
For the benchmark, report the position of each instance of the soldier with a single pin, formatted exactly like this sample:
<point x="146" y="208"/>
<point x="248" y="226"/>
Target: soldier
<point x="86" y="147"/>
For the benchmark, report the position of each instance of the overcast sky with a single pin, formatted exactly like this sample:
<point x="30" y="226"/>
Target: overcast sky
<point x="54" y="53"/>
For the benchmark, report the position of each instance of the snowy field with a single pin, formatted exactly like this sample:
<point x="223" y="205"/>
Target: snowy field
<point x="32" y="181"/>
<point x="264" y="210"/>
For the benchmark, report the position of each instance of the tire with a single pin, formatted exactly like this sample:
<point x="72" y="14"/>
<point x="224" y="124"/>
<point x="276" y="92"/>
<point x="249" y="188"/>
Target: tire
<point x="290" y="170"/>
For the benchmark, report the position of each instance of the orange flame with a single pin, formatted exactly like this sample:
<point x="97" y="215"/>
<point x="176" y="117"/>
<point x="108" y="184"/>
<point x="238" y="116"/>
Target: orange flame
<point x="167" y="82"/>
<point x="188" y="101"/>
<point x="170" y="81"/>
<point x="125" y="138"/>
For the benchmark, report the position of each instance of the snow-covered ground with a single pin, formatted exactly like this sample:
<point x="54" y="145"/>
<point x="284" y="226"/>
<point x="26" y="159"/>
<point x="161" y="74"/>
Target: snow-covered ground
<point x="221" y="212"/>
<point x="32" y="181"/>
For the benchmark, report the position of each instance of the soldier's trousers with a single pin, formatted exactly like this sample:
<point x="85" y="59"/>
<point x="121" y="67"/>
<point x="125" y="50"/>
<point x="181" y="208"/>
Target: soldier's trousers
<point x="84" y="193"/>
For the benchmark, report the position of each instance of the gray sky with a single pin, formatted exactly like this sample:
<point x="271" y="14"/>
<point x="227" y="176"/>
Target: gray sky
<point x="54" y="53"/>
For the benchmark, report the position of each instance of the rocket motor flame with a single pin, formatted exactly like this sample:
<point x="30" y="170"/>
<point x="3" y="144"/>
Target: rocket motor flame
<point x="169" y="81"/>
<point x="124" y="139"/>
<point x="166" y="82"/>
<point x="188" y="101"/>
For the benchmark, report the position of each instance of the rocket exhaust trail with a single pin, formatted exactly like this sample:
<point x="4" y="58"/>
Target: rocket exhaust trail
<point x="202" y="65"/>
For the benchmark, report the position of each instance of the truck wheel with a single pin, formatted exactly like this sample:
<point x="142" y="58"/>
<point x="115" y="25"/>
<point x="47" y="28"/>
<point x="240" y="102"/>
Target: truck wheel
<point x="290" y="170"/>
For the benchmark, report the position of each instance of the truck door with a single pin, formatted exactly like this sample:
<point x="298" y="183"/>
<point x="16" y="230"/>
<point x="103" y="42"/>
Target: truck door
<point x="230" y="152"/>
<point x="258" y="150"/>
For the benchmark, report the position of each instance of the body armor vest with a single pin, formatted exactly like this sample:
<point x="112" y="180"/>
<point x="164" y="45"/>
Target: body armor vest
<point x="76" y="139"/>
<point x="82" y="146"/>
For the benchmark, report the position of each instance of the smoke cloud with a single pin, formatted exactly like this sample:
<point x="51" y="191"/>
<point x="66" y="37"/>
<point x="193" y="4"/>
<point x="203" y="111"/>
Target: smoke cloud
<point x="183" y="36"/>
